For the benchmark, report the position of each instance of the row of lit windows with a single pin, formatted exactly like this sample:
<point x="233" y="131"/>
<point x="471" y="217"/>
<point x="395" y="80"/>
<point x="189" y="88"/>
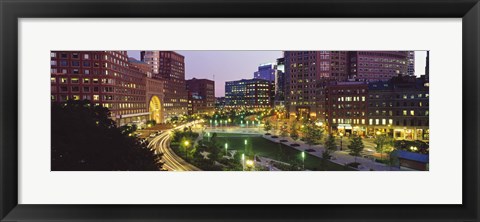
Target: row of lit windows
<point x="350" y="98"/>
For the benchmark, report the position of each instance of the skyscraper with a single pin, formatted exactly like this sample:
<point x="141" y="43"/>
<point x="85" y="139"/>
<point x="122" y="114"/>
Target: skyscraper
<point x="266" y="71"/>
<point x="411" y="63"/>
<point x="280" y="82"/>
<point x="169" y="66"/>
<point x="378" y="65"/>
<point x="306" y="73"/>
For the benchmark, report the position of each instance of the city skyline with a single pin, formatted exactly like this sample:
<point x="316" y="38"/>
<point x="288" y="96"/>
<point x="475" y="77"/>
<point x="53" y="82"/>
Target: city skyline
<point x="305" y="111"/>
<point x="223" y="66"/>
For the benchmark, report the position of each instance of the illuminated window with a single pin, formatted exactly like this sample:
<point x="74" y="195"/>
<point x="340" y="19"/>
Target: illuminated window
<point x="384" y="122"/>
<point x="53" y="80"/>
<point x="63" y="80"/>
<point x="404" y="112"/>
<point x="96" y="97"/>
<point x="412" y="112"/>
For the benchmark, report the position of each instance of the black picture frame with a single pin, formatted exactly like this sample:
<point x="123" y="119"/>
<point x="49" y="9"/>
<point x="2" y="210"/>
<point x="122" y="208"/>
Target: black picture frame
<point x="11" y="11"/>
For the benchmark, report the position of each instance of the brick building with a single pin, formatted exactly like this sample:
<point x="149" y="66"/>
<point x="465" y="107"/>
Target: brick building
<point x="399" y="108"/>
<point x="378" y="65"/>
<point x="346" y="107"/>
<point x="103" y="77"/>
<point x="169" y="66"/>
<point x="305" y="76"/>
<point x="201" y="95"/>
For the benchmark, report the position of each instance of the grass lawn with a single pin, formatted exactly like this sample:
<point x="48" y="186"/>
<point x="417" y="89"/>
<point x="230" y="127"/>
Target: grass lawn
<point x="269" y="149"/>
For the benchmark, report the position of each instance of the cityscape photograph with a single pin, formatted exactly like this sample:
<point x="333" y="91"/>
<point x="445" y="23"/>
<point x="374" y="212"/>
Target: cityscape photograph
<point x="234" y="110"/>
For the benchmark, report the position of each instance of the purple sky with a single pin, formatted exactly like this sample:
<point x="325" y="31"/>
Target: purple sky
<point x="225" y="65"/>
<point x="235" y="65"/>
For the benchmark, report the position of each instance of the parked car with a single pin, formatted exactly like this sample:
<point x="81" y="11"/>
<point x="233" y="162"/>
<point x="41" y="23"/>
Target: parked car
<point x="283" y="141"/>
<point x="274" y="137"/>
<point x="294" y="144"/>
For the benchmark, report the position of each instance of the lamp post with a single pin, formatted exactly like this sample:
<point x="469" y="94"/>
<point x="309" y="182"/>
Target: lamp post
<point x="243" y="161"/>
<point x="186" y="152"/>
<point x="303" y="159"/>
<point x="341" y="140"/>
<point x="245" y="146"/>
<point x="226" y="148"/>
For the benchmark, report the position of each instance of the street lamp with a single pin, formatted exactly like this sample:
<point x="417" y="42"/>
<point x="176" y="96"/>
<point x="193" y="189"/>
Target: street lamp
<point x="243" y="161"/>
<point x="341" y="140"/>
<point x="226" y="148"/>
<point x="186" y="152"/>
<point x="245" y="146"/>
<point x="303" y="158"/>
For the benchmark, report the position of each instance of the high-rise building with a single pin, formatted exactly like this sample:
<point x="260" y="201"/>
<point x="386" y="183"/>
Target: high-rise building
<point x="170" y="67"/>
<point x="306" y="74"/>
<point x="280" y="82"/>
<point x="103" y="77"/>
<point x="377" y="65"/>
<point x="248" y="93"/>
<point x="154" y="91"/>
<point x="427" y="67"/>
<point x="266" y="71"/>
<point x="411" y="63"/>
<point x="201" y="95"/>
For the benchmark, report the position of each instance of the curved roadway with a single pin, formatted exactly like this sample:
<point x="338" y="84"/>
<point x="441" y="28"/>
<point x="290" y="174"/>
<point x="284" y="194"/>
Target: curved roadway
<point x="172" y="162"/>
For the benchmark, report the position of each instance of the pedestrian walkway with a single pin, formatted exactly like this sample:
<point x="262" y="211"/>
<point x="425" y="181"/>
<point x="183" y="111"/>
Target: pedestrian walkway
<point x="338" y="157"/>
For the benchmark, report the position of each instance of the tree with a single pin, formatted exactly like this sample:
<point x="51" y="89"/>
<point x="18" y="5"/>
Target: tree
<point x="294" y="131"/>
<point x="392" y="159"/>
<point x="267" y="126"/>
<point x="356" y="146"/>
<point x="284" y="130"/>
<point x="330" y="146"/>
<point x="383" y="143"/>
<point x="312" y="133"/>
<point x="84" y="138"/>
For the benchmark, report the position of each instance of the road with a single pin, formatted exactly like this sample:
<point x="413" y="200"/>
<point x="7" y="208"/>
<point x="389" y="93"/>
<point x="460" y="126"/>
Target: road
<point x="172" y="162"/>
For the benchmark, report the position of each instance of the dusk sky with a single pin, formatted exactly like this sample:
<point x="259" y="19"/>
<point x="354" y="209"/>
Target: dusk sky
<point x="235" y="65"/>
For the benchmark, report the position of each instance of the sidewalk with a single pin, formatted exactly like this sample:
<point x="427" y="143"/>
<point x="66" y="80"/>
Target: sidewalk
<point x="339" y="157"/>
